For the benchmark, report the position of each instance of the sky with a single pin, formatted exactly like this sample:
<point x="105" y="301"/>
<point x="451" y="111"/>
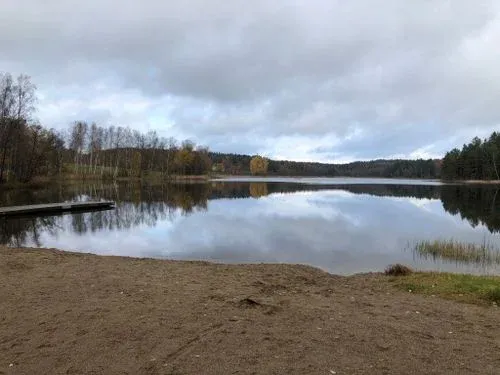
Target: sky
<point x="310" y="80"/>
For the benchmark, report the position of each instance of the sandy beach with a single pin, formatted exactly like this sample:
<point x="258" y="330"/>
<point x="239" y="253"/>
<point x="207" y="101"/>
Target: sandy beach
<point x="68" y="313"/>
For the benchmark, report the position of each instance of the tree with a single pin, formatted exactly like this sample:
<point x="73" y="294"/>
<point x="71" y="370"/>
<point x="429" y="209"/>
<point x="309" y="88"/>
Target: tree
<point x="136" y="163"/>
<point x="171" y="151"/>
<point x="184" y="158"/>
<point x="25" y="99"/>
<point x="478" y="160"/>
<point x="450" y="165"/>
<point x="77" y="142"/>
<point x="258" y="189"/>
<point x="492" y="149"/>
<point x="27" y="149"/>
<point x="201" y="162"/>
<point x="17" y="99"/>
<point x="258" y="165"/>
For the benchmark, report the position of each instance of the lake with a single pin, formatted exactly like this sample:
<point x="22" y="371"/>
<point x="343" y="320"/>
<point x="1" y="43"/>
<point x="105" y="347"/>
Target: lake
<point x="342" y="225"/>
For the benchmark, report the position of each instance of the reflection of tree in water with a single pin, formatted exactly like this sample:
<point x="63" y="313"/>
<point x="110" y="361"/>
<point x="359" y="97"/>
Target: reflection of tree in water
<point x="143" y="205"/>
<point x="20" y="231"/>
<point x="389" y="190"/>
<point x="476" y="204"/>
<point x="258" y="189"/>
<point x="135" y="205"/>
<point x="479" y="204"/>
<point x="146" y="204"/>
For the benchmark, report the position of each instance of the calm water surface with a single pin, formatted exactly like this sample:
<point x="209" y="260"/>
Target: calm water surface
<point x="344" y="226"/>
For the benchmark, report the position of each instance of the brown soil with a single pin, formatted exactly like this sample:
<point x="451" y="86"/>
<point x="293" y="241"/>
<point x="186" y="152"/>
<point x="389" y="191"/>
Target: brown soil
<point x="64" y="313"/>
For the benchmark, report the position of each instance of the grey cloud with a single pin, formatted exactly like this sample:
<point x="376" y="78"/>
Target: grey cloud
<point x="359" y="71"/>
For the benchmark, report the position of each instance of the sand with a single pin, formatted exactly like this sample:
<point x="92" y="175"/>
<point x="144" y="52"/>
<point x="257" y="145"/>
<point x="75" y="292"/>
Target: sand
<point x="66" y="313"/>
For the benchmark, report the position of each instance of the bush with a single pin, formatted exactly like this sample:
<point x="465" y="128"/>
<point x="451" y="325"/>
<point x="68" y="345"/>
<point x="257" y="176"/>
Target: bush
<point x="398" y="270"/>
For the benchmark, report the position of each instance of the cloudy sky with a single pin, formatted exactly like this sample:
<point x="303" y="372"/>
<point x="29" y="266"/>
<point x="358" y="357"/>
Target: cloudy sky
<point x="326" y="80"/>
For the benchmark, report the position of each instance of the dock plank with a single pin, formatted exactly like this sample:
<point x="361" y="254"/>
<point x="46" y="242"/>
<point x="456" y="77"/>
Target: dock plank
<point x="55" y="207"/>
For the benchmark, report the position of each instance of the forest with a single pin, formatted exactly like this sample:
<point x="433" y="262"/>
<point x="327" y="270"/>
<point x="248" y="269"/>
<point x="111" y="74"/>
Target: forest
<point x="477" y="160"/>
<point x="240" y="164"/>
<point x="83" y="150"/>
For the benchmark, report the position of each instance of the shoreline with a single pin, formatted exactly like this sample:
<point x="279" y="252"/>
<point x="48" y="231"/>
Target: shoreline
<point x="488" y="182"/>
<point x="72" y="312"/>
<point x="43" y="181"/>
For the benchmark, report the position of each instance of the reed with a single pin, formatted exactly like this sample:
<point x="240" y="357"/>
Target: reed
<point x="452" y="250"/>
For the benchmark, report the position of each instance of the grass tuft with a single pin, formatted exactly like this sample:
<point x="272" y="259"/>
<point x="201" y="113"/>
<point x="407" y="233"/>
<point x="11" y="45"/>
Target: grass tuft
<point x="398" y="270"/>
<point x="451" y="250"/>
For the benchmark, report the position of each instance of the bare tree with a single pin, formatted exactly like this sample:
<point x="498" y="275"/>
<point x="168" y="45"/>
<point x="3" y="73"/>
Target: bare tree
<point x="171" y="151"/>
<point x="17" y="101"/>
<point x="25" y="97"/>
<point x="78" y="141"/>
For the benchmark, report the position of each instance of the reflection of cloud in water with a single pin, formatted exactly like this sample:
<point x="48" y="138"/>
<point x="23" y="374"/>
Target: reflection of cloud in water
<point x="299" y="232"/>
<point x="424" y="204"/>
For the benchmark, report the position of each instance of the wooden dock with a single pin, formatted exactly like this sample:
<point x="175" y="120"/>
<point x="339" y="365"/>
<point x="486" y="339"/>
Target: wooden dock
<point x="55" y="208"/>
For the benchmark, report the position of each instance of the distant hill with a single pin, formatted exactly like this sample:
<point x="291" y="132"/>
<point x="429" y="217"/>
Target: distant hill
<point x="239" y="164"/>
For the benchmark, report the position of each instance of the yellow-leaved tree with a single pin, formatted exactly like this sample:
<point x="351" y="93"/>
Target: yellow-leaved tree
<point x="258" y="165"/>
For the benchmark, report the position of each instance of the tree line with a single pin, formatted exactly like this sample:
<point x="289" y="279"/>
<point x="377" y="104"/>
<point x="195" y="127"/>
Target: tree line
<point x="27" y="149"/>
<point x="477" y="160"/>
<point x="89" y="150"/>
<point x="242" y="164"/>
<point x="112" y="152"/>
<point x="397" y="168"/>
